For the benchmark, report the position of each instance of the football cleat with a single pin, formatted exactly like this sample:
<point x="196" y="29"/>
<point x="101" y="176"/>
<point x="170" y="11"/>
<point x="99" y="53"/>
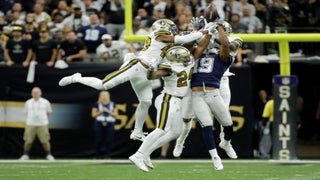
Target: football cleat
<point x="217" y="163"/>
<point x="226" y="145"/>
<point x="69" y="79"/>
<point x="137" y="136"/>
<point x="50" y="157"/>
<point x="138" y="161"/>
<point x="24" y="157"/>
<point x="177" y="151"/>
<point x="147" y="162"/>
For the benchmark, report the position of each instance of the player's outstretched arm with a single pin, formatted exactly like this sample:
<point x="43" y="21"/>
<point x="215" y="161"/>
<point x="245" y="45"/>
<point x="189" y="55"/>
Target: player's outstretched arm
<point x="224" y="42"/>
<point x="178" y="39"/>
<point x="162" y="71"/>
<point x="202" y="46"/>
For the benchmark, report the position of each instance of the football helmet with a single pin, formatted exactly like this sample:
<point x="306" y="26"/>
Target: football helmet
<point x="164" y="25"/>
<point x="179" y="54"/>
<point x="227" y="28"/>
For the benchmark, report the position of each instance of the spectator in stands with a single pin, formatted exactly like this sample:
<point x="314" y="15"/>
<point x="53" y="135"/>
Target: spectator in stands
<point x="265" y="143"/>
<point x="63" y="9"/>
<point x="229" y="8"/>
<point x="56" y="23"/>
<point x="30" y="19"/>
<point x="261" y="10"/>
<point x="279" y="14"/>
<point x="58" y="36"/>
<point x="113" y="49"/>
<point x="30" y="32"/>
<point x="144" y="18"/>
<point x="105" y="113"/>
<point x="17" y="49"/>
<point x="245" y="53"/>
<point x="17" y="6"/>
<point x="237" y="26"/>
<point x="182" y="22"/>
<point x="45" y="49"/>
<point x="38" y="110"/>
<point x="72" y="49"/>
<point x="3" y="23"/>
<point x="137" y="29"/>
<point x="91" y="36"/>
<point x="179" y="8"/>
<point x="77" y="19"/>
<point x="15" y="18"/>
<point x="66" y="29"/>
<point x="158" y="13"/>
<point x="239" y="6"/>
<point x="253" y="23"/>
<point x="113" y="13"/>
<point x="152" y="5"/>
<point x="40" y="14"/>
<point x="88" y="7"/>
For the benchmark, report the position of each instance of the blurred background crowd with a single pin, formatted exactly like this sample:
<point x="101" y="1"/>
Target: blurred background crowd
<point x="89" y="20"/>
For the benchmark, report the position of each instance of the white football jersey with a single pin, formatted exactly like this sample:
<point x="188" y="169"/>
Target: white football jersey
<point x="178" y="83"/>
<point x="116" y="50"/>
<point x="154" y="51"/>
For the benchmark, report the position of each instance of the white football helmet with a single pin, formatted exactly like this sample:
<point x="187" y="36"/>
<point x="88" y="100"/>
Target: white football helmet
<point x="165" y="25"/>
<point x="179" y="54"/>
<point x="227" y="28"/>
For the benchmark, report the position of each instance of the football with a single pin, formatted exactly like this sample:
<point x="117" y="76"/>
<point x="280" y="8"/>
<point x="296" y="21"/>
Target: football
<point x="211" y="13"/>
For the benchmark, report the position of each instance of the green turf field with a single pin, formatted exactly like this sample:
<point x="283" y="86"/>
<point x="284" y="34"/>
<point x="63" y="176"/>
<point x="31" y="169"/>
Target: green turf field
<point x="164" y="169"/>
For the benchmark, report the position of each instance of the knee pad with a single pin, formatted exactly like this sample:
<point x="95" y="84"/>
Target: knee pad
<point x="145" y="103"/>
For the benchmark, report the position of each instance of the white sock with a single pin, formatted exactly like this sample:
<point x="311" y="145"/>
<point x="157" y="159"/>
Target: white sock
<point x="186" y="127"/>
<point x="141" y="115"/>
<point x="91" y="81"/>
<point x="213" y="153"/>
<point x="150" y="140"/>
<point x="165" y="138"/>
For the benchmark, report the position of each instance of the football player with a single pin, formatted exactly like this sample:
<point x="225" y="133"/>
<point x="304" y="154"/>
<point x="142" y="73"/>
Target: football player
<point x="206" y="97"/>
<point x="176" y="73"/>
<point x="161" y="38"/>
<point x="213" y="47"/>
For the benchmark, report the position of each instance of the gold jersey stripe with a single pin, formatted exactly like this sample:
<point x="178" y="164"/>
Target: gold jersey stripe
<point x="164" y="112"/>
<point x="116" y="73"/>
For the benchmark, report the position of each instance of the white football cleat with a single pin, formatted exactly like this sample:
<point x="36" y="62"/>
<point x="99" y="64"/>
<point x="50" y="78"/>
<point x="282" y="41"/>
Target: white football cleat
<point x="24" y="158"/>
<point x="147" y="162"/>
<point x="226" y="145"/>
<point x="50" y="157"/>
<point x="137" y="136"/>
<point x="217" y="163"/>
<point x="138" y="161"/>
<point x="177" y="151"/>
<point x="69" y="79"/>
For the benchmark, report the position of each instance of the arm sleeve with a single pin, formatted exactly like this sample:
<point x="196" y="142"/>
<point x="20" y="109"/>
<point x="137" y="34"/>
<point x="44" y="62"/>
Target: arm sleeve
<point x="187" y="38"/>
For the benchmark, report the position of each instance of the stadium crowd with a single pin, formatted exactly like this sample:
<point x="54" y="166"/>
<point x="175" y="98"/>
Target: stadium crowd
<point x="91" y="19"/>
